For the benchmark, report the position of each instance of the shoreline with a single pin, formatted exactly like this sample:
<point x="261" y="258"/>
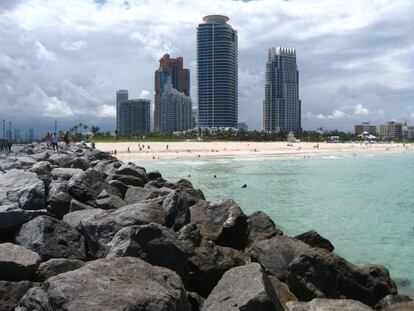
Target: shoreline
<point x="219" y="149"/>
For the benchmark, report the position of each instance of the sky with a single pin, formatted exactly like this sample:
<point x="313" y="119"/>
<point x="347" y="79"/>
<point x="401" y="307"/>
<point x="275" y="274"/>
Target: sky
<point x="64" y="60"/>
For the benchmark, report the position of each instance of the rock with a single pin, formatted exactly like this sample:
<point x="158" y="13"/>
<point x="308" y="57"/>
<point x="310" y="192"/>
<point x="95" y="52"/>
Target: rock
<point x="140" y="194"/>
<point x="51" y="238"/>
<point x="153" y="175"/>
<point x="61" y="159"/>
<point x="389" y="300"/>
<point x="282" y="290"/>
<point x="86" y="185"/>
<point x="57" y="266"/>
<point x="131" y="169"/>
<point x="81" y="163"/>
<point x="57" y="186"/>
<point x="327" y="305"/>
<point x="243" y="288"/>
<point x="101" y="228"/>
<point x="65" y="173"/>
<point x="402" y="306"/>
<point x="11" y="216"/>
<point x="208" y="262"/>
<point x="109" y="201"/>
<point x="221" y="221"/>
<point x="75" y="205"/>
<point x="11" y="292"/>
<point x="195" y="300"/>
<point x="17" y="263"/>
<point x="123" y="283"/>
<point x="74" y="219"/>
<point x="153" y="243"/>
<point x="261" y="227"/>
<point x="122" y="188"/>
<point x="314" y="239"/>
<point x="41" y="168"/>
<point x="95" y="154"/>
<point x="128" y="180"/>
<point x="177" y="208"/>
<point x="159" y="183"/>
<point x="41" y="156"/>
<point x="23" y="188"/>
<point x="276" y="254"/>
<point x="59" y="204"/>
<point x="26" y="161"/>
<point x="319" y="274"/>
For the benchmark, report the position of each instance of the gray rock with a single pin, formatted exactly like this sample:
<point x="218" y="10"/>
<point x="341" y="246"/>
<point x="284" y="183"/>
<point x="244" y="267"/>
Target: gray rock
<point x="59" y="204"/>
<point x="65" y="173"/>
<point x="17" y="263"/>
<point x="52" y="238"/>
<point x="243" y="288"/>
<point x="153" y="175"/>
<point x="57" y="266"/>
<point x="24" y="188"/>
<point x="129" y="180"/>
<point x="41" y="168"/>
<point x="122" y="188"/>
<point x="276" y="254"/>
<point x="61" y="159"/>
<point x="221" y="221"/>
<point x="96" y="154"/>
<point x="402" y="306"/>
<point x="75" y="218"/>
<point x="75" y="205"/>
<point x="195" y="300"/>
<point x="327" y="305"/>
<point x="86" y="185"/>
<point x="11" y="293"/>
<point x="57" y="186"/>
<point x="282" y="290"/>
<point x="177" y="207"/>
<point x="11" y="216"/>
<point x="140" y="194"/>
<point x="314" y="239"/>
<point x="109" y="201"/>
<point x="261" y="227"/>
<point x="81" y="163"/>
<point x="390" y="300"/>
<point x="41" y="156"/>
<point x="153" y="243"/>
<point x="131" y="169"/>
<point x="123" y="283"/>
<point x="100" y="229"/>
<point x="26" y="161"/>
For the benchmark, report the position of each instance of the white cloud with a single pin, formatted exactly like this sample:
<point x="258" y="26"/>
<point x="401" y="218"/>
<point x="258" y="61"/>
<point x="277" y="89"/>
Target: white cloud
<point x="145" y="94"/>
<point x="43" y="53"/>
<point x="74" y="45"/>
<point x="337" y="114"/>
<point x="361" y="110"/>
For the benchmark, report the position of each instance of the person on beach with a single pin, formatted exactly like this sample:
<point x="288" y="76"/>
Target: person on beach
<point x="166" y="148"/>
<point x="128" y="150"/>
<point x="55" y="142"/>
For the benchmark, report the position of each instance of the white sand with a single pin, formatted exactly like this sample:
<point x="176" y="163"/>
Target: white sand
<point x="219" y="149"/>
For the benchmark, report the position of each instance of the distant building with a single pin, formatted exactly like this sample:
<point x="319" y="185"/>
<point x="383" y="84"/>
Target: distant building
<point x="121" y="97"/>
<point x="17" y="135"/>
<point x="390" y="130"/>
<point x="134" y="117"/>
<point x="282" y="106"/>
<point x="171" y="69"/>
<point x="31" y="135"/>
<point x="217" y="71"/>
<point x="194" y="117"/>
<point x="407" y="131"/>
<point x="175" y="110"/>
<point x="243" y="126"/>
<point x="365" y="127"/>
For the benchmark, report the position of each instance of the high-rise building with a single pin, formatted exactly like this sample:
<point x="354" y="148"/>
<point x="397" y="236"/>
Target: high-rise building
<point x="134" y="117"/>
<point x="282" y="106"/>
<point x="171" y="69"/>
<point x="390" y="130"/>
<point x="217" y="71"/>
<point x="31" y="135"/>
<point x="175" y="110"/>
<point x="242" y="126"/>
<point x="194" y="117"/>
<point x="407" y="131"/>
<point x="121" y="96"/>
<point x="365" y="127"/>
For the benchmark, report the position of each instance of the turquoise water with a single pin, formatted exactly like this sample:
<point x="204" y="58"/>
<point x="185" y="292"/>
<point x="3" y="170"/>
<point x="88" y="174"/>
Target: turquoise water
<point x="363" y="204"/>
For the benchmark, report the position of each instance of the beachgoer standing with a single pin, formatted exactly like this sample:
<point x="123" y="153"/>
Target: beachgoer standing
<point x="66" y="139"/>
<point x="55" y="141"/>
<point x="48" y="139"/>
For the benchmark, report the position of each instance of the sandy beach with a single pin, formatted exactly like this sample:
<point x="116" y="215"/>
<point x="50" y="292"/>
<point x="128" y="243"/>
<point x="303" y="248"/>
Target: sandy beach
<point x="161" y="150"/>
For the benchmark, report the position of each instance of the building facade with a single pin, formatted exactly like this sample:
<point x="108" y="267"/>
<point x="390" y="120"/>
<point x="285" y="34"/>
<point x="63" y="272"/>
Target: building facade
<point x="175" y="110"/>
<point x="121" y="96"/>
<point x="407" y="131"/>
<point x="217" y="72"/>
<point x="390" y="130"/>
<point x="242" y="126"/>
<point x="282" y="106"/>
<point x="365" y="127"/>
<point x="134" y="117"/>
<point x="171" y="69"/>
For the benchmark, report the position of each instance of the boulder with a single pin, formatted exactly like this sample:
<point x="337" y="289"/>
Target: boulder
<point x="276" y="254"/>
<point x="153" y="243"/>
<point x="81" y="163"/>
<point x="390" y="300"/>
<point x="41" y="156"/>
<point x="23" y="188"/>
<point x="129" y="180"/>
<point x="123" y="283"/>
<point x="402" y="306"/>
<point x="57" y="266"/>
<point x="11" y="216"/>
<point x="131" y="169"/>
<point x="261" y="227"/>
<point x="221" y="221"/>
<point x="59" y="204"/>
<point x="109" y="201"/>
<point x="75" y="205"/>
<point x="122" y="188"/>
<point x="86" y="185"/>
<point x="75" y="218"/>
<point x="154" y="175"/>
<point x="51" y="238"/>
<point x="327" y="305"/>
<point x="61" y="159"/>
<point x="140" y="194"/>
<point x="100" y="229"/>
<point x="321" y="274"/>
<point x="26" y="161"/>
<point x="177" y="208"/>
<point x="95" y="154"/>
<point x="64" y="173"/>
<point x="282" y="290"/>
<point x="57" y="186"/>
<point x="159" y="183"/>
<point x="314" y="239"/>
<point x="41" y="168"/>
<point x="11" y="293"/>
<point x="195" y="300"/>
<point x="17" y="263"/>
<point x="243" y="288"/>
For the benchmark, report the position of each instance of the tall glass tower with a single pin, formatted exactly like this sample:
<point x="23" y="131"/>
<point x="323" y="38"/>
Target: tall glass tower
<point x="217" y="69"/>
<point x="282" y="106"/>
<point x="121" y="96"/>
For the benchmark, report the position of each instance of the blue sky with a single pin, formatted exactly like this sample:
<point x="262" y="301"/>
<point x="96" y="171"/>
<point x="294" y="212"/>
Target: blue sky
<point x="64" y="60"/>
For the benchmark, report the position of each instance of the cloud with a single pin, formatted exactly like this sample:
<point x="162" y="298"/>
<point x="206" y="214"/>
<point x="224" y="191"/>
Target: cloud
<point x="43" y="53"/>
<point x="145" y="94"/>
<point x="359" y="109"/>
<point x="74" y="45"/>
<point x="337" y="114"/>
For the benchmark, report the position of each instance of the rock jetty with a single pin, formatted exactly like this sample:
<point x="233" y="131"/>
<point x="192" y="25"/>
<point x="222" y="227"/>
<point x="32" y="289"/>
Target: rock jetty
<point x="81" y="230"/>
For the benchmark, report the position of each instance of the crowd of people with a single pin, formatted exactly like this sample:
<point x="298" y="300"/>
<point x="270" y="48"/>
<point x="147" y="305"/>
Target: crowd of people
<point x="52" y="140"/>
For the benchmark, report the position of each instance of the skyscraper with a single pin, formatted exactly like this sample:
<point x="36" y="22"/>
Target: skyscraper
<point x="171" y="69"/>
<point x="175" y="110"/>
<point x="121" y="96"/>
<point x="134" y="117"/>
<point x="217" y="70"/>
<point x="282" y="106"/>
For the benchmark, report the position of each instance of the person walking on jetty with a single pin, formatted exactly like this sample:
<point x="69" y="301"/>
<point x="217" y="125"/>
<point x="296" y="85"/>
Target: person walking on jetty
<point x="48" y="139"/>
<point x="55" y="142"/>
<point x="66" y="139"/>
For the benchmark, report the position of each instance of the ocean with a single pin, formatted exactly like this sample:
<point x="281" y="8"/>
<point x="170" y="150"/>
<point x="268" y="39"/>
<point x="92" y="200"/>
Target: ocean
<point x="363" y="203"/>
